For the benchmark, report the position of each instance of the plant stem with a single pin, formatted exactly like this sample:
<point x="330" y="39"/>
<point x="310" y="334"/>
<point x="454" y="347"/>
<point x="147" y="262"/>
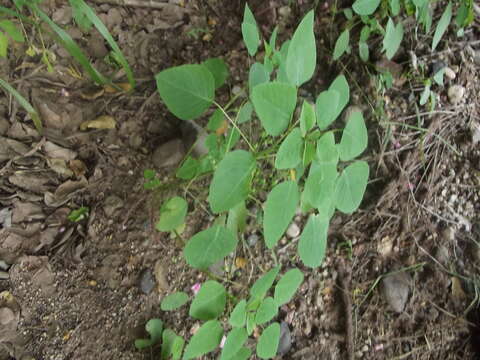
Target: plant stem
<point x="235" y="126"/>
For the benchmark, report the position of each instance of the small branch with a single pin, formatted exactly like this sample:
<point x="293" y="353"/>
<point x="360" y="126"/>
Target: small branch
<point x="135" y="3"/>
<point x="344" y="277"/>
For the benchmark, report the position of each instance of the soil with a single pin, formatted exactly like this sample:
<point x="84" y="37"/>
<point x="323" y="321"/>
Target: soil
<point x="401" y="275"/>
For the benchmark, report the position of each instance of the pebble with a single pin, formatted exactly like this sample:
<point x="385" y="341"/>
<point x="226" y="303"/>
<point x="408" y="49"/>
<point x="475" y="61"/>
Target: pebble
<point x="285" y="342"/>
<point x="169" y="154"/>
<point x="252" y="239"/>
<point x="147" y="281"/>
<point x="448" y="234"/>
<point x="112" y="203"/>
<point x="456" y="93"/>
<point x="442" y="255"/>
<point x="293" y="231"/>
<point x="449" y="73"/>
<point x="396" y="289"/>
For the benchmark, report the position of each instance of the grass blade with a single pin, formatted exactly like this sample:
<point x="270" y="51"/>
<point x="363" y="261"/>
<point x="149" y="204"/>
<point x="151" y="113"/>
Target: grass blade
<point x="102" y="29"/>
<point x="24" y="103"/>
<point x="71" y="47"/>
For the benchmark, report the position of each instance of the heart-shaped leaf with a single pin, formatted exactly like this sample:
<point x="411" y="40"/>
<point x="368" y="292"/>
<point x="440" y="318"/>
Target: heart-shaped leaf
<point x="209" y="246"/>
<point x="172" y="214"/>
<point x="205" y="340"/>
<point x="231" y="181"/>
<point x="313" y="241"/>
<point x="280" y="208"/>
<point x="354" y="137"/>
<point x="365" y="7"/>
<point x="287" y="286"/>
<point x="274" y="104"/>
<point x="187" y="90"/>
<point x="351" y="186"/>
<point x="210" y="301"/>
<point x="326" y="108"/>
<point x="268" y="342"/>
<point x="174" y="301"/>
<point x="289" y="154"/>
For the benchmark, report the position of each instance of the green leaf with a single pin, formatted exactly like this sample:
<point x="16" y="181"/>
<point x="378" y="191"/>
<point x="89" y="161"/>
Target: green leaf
<point x="237" y="218"/>
<point x="327" y="105"/>
<point x="363" y="51"/>
<point x="172" y="214"/>
<point x="273" y="39"/>
<point x="205" y="340"/>
<point x="251" y="324"/>
<point x="274" y="104"/>
<point x="302" y="52"/>
<point x="219" y="70"/>
<point x="209" y="246"/>
<point x="231" y="181"/>
<point x="187" y="90"/>
<point x="425" y="94"/>
<point x="251" y="36"/>
<point x="102" y="29"/>
<point x="442" y="25"/>
<point x="340" y="85"/>
<point x="268" y="342"/>
<point x="23" y="103"/>
<point x="351" y="186"/>
<point x="341" y="45"/>
<point x="80" y="18"/>
<point x="320" y="186"/>
<point x="393" y="38"/>
<point x="313" y="241"/>
<point x="12" y="31"/>
<point x="287" y="286"/>
<point x="354" y="137"/>
<point x="154" y="328"/>
<point x="245" y="113"/>
<point x="172" y="345"/>
<point x="257" y="75"/>
<point x="238" y="315"/>
<point x="267" y="310"/>
<point x="210" y="301"/>
<point x="264" y="283"/>
<point x="365" y="7"/>
<point x="327" y="151"/>
<point x="289" y="154"/>
<point x="395" y="7"/>
<point x="189" y="169"/>
<point x="280" y="208"/>
<point x="307" y="117"/>
<point x="243" y="354"/>
<point x="233" y="344"/>
<point x="3" y="45"/>
<point x="174" y="301"/>
<point x="308" y="155"/>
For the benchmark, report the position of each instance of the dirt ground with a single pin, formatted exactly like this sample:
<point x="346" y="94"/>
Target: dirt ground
<point x="401" y="278"/>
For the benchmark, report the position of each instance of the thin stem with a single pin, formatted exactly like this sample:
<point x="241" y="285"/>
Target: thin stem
<point x="235" y="126"/>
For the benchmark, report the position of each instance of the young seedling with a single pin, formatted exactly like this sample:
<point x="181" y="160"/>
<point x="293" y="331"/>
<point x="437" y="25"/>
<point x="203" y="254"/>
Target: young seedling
<point x="312" y="163"/>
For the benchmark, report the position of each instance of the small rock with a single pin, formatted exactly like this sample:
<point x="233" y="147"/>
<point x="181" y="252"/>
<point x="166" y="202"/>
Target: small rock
<point x="456" y="93"/>
<point x="147" y="281"/>
<point x="385" y="246"/>
<point x="135" y="141"/>
<point x="112" y="204"/>
<point x="293" y="231"/>
<point x="395" y="289"/>
<point x="475" y="130"/>
<point x="160" y="276"/>
<point x="6" y="316"/>
<point x="169" y="154"/>
<point x="448" y="234"/>
<point x="442" y="255"/>
<point x="252" y="239"/>
<point x="97" y="47"/>
<point x="457" y="290"/>
<point x="285" y="342"/>
<point x="449" y="73"/>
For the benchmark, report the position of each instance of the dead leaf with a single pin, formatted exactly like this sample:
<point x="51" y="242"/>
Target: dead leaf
<point x="26" y="211"/>
<point x="123" y="87"/>
<point x="457" y="290"/>
<point x="60" y="167"/>
<point x="69" y="187"/>
<point x="78" y="167"/>
<point x="240" y="262"/>
<point x="92" y="94"/>
<point x="50" y="118"/>
<point x="54" y="151"/>
<point x="102" y="122"/>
